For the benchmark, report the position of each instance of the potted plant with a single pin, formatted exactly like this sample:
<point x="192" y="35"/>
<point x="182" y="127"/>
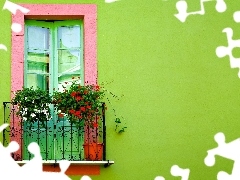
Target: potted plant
<point x="32" y="105"/>
<point x="81" y="104"/>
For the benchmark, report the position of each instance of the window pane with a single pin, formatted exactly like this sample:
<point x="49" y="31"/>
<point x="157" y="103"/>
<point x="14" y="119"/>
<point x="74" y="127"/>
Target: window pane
<point x="69" y="54"/>
<point x="69" y="37"/>
<point x="66" y="81"/>
<point x="69" y="61"/>
<point x="37" y="80"/>
<point x="38" y="39"/>
<point x="38" y="63"/>
<point x="37" y="57"/>
<point x="38" y="70"/>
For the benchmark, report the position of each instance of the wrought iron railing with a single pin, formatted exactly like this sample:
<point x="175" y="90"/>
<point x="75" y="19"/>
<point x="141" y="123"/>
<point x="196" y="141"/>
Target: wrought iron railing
<point x="58" y="140"/>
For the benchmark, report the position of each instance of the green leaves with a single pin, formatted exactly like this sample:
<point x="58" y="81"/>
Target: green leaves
<point x="33" y="105"/>
<point x="80" y="103"/>
<point x="117" y="120"/>
<point x="119" y="129"/>
<point x="122" y="130"/>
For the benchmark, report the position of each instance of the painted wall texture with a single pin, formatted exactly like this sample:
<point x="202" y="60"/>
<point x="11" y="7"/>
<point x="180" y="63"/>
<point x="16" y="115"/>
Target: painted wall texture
<point x="177" y="94"/>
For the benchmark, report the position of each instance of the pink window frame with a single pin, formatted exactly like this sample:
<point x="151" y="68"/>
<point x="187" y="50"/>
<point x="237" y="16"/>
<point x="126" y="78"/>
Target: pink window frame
<point x="87" y="12"/>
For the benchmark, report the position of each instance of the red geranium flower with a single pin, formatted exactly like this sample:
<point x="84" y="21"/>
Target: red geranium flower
<point x="77" y="113"/>
<point x="95" y="124"/>
<point x="73" y="94"/>
<point x="78" y="98"/>
<point x="83" y="109"/>
<point x="79" y="116"/>
<point x="72" y="111"/>
<point x="61" y="115"/>
<point x="97" y="88"/>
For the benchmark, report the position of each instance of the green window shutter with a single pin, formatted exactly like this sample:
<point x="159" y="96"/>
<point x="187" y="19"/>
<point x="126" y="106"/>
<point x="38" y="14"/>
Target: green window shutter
<point x="53" y="56"/>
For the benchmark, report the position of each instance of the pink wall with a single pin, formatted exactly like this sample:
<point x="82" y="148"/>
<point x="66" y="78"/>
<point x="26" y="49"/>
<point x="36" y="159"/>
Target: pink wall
<point x="87" y="12"/>
<point x="56" y="11"/>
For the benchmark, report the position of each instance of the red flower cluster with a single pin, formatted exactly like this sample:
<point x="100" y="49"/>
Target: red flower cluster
<point x="80" y="103"/>
<point x="76" y="95"/>
<point x="76" y="113"/>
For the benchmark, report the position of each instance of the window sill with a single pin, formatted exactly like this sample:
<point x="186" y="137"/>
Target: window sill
<point x="53" y="162"/>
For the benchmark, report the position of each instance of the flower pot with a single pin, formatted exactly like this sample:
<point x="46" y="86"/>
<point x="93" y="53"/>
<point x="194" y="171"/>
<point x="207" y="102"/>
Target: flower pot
<point x="93" y="151"/>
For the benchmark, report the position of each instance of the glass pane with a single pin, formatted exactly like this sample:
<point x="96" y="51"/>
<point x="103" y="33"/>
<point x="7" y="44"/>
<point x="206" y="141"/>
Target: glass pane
<point x="37" y="39"/>
<point x="69" y="61"/>
<point x="66" y="81"/>
<point x="37" y="67"/>
<point x="38" y="63"/>
<point x="38" y="80"/>
<point x="68" y="37"/>
<point x="38" y="70"/>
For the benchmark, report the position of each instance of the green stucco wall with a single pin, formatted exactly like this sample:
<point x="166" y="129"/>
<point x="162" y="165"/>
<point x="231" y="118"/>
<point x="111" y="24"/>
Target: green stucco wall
<point x="177" y="94"/>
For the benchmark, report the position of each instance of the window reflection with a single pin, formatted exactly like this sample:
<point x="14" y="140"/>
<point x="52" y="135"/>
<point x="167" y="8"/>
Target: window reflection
<point x="69" y="55"/>
<point x="38" y="39"/>
<point x="68" y="60"/>
<point x="38" y="57"/>
<point x="69" y="37"/>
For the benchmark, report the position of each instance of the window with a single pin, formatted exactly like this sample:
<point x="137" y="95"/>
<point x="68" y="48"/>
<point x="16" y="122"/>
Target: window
<point x="53" y="53"/>
<point x="44" y="65"/>
<point x="53" y="57"/>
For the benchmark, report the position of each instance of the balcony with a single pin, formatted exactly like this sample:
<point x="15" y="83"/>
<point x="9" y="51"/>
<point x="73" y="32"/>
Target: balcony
<point x="58" y="140"/>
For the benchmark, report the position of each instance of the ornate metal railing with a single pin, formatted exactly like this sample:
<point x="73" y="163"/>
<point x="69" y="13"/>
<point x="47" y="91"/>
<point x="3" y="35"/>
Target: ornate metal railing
<point x="58" y="140"/>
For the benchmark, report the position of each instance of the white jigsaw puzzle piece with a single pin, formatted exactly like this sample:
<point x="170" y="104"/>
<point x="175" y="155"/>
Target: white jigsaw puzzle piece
<point x="236" y="16"/>
<point x="64" y="164"/>
<point x="8" y="164"/>
<point x="227" y="150"/>
<point x="85" y="178"/>
<point x="31" y="170"/>
<point x="111" y="1"/>
<point x="182" y="7"/>
<point x="35" y="164"/>
<point x="177" y="171"/>
<point x="4" y="126"/>
<point x="225" y="176"/>
<point x="2" y="46"/>
<point x="12" y="7"/>
<point x="159" y="178"/>
<point x="222" y="51"/>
